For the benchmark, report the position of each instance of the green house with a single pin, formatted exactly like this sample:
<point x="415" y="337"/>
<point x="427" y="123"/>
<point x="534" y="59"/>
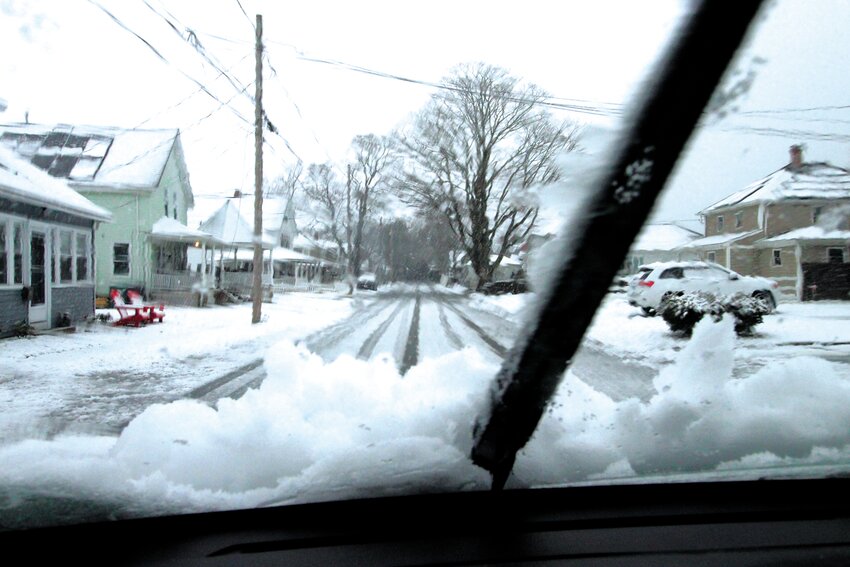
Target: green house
<point x="140" y="176"/>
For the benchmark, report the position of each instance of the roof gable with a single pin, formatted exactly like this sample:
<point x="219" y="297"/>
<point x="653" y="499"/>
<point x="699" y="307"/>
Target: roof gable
<point x="816" y="180"/>
<point x="230" y="224"/>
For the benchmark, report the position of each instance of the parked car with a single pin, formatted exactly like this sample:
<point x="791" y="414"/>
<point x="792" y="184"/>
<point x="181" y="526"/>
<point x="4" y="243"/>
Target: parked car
<point x="653" y="282"/>
<point x="367" y="281"/>
<point x="501" y="287"/>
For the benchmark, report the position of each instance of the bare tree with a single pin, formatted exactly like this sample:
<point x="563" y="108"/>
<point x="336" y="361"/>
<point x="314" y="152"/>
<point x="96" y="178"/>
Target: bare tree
<point x="321" y="186"/>
<point x="348" y="207"/>
<point x="476" y="150"/>
<point x="285" y="185"/>
<point x="365" y="186"/>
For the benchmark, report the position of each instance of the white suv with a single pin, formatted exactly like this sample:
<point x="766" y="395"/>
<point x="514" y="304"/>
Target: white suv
<point x="649" y="286"/>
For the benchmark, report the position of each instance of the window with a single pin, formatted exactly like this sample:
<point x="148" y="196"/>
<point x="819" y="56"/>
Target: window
<point x="739" y="219"/>
<point x="816" y="214"/>
<point x="835" y="255"/>
<point x="18" y="252"/>
<point x="712" y="256"/>
<point x="66" y="256"/>
<point x="73" y="256"/>
<point x="335" y="393"/>
<point x="121" y="259"/>
<point x="672" y="273"/>
<point x="82" y="253"/>
<point x="5" y="255"/>
<point x="777" y="257"/>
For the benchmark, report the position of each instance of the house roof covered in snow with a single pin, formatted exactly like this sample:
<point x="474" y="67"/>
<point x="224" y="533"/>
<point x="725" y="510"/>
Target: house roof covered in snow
<point x="104" y="158"/>
<point x="274" y="211"/>
<point x="808" y="233"/>
<point x="22" y="181"/>
<point x="663" y="236"/>
<point x="171" y="229"/>
<point x="719" y="239"/>
<point x="230" y="224"/>
<point x="816" y="180"/>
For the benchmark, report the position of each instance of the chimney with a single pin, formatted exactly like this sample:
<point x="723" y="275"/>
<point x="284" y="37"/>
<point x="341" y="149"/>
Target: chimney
<point x="237" y="194"/>
<point x="796" y="152"/>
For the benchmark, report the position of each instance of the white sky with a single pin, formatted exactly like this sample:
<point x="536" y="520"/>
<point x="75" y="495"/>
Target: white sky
<point x="67" y="61"/>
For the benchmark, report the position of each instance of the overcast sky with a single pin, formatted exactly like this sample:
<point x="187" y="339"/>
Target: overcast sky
<point x="67" y="61"/>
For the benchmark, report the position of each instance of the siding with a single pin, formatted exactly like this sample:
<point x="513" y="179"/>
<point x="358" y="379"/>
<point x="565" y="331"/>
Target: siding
<point x="77" y="301"/>
<point x="744" y="260"/>
<point x="12" y="310"/>
<point x="786" y="274"/>
<point x="819" y="255"/>
<point x="782" y="217"/>
<point x="749" y="220"/>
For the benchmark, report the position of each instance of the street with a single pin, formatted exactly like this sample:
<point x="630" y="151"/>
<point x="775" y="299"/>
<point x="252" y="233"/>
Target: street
<point x="421" y="322"/>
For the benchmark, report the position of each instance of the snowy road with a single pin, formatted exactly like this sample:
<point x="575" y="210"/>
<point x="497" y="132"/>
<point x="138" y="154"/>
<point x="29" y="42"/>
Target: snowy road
<point x="413" y="324"/>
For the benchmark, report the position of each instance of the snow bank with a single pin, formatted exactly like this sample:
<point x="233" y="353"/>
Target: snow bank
<point x="700" y="420"/>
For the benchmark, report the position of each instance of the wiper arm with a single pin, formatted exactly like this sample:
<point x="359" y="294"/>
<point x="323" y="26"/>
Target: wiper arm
<point x="617" y="211"/>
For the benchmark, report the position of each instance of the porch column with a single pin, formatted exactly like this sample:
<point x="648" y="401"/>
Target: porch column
<point x="798" y="258"/>
<point x="204" y="265"/>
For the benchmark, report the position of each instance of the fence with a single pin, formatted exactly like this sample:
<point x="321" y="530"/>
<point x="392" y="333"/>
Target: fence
<point x="291" y="284"/>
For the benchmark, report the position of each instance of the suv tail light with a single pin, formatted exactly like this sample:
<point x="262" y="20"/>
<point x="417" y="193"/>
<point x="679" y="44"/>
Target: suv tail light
<point x="646" y="283"/>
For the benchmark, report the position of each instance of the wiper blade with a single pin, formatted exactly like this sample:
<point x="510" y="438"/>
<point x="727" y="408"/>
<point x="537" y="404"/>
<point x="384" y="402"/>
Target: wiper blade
<point x="617" y="211"/>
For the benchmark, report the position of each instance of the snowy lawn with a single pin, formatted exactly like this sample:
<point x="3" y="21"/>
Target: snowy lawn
<point x="73" y="375"/>
<point x="317" y="430"/>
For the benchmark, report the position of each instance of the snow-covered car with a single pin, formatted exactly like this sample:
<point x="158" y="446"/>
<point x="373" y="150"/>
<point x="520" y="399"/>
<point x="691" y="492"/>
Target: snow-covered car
<point x="367" y="281"/>
<point x="501" y="287"/>
<point x="654" y="282"/>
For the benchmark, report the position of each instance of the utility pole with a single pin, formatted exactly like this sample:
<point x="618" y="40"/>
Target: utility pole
<point x="257" y="283"/>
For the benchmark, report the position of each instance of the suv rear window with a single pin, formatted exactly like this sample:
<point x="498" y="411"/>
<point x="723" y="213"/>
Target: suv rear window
<point x="672" y="273"/>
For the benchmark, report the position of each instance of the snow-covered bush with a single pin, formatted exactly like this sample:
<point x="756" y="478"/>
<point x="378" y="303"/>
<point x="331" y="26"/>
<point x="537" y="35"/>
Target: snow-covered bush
<point x="681" y="311"/>
<point x="748" y="311"/>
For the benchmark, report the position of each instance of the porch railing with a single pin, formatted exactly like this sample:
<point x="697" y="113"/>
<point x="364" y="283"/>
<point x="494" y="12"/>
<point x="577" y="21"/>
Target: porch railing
<point x="182" y="281"/>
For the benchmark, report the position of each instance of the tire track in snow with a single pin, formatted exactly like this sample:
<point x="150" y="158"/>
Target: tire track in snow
<point x="329" y="337"/>
<point x="369" y="344"/>
<point x="454" y="339"/>
<point x="488" y="340"/>
<point x="411" y="349"/>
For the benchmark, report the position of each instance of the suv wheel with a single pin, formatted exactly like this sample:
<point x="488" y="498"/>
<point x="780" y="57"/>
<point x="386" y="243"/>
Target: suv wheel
<point x="766" y="297"/>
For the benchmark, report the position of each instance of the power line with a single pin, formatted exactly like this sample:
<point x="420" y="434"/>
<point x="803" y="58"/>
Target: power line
<point x="799" y="109"/>
<point x="195" y="43"/>
<point x="203" y="87"/>
<point x="181" y="102"/>
<point x="235" y="83"/>
<point x="247" y="17"/>
<point x="548" y="102"/>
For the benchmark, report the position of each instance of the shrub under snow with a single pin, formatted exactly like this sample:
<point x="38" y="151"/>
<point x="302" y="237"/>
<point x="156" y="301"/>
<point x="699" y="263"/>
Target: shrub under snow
<point x="682" y="311"/>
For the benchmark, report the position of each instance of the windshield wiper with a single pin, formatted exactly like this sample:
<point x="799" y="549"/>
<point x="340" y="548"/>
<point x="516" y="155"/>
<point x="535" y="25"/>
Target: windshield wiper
<point x="531" y="372"/>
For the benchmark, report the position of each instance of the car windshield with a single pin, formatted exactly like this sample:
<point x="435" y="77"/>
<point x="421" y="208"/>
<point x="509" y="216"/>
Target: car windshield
<point x="264" y="253"/>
